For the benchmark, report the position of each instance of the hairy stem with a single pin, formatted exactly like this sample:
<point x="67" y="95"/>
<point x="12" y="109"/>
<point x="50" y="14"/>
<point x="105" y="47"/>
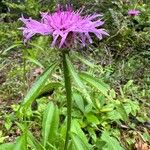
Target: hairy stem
<point x="68" y="96"/>
<point x="24" y="72"/>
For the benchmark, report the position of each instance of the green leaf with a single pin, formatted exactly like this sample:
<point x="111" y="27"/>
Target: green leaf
<point x="78" y="143"/>
<point x="121" y="109"/>
<point x="37" y="46"/>
<point x="7" y="146"/>
<point x="21" y="143"/>
<point x="113" y="93"/>
<point x="49" y="87"/>
<point x="77" y="80"/>
<point x="50" y="124"/>
<point x="101" y="86"/>
<point x="35" y="61"/>
<point x="92" y="119"/>
<point x="71" y="146"/>
<point x="111" y="142"/>
<point x="76" y="130"/>
<point x="100" y="144"/>
<point x="127" y="85"/>
<point x="79" y="101"/>
<point x="85" y="61"/>
<point x="11" y="47"/>
<point x="33" y="142"/>
<point x="2" y="139"/>
<point x="36" y="88"/>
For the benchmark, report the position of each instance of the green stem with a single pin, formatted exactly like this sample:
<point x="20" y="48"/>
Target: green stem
<point x="68" y="96"/>
<point x="24" y="72"/>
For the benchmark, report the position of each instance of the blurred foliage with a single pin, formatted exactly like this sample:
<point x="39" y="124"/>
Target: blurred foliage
<point x="121" y="60"/>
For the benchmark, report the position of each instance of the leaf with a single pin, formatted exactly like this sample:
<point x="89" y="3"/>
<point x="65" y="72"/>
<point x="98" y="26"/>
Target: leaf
<point x="111" y="142"/>
<point x="7" y="146"/>
<point x="128" y="85"/>
<point x="77" y="80"/>
<point x="100" y="144"/>
<point x="79" y="101"/>
<point x="92" y="119"/>
<point x="76" y="130"/>
<point x="37" y="86"/>
<point x="85" y="61"/>
<point x="78" y="143"/>
<point x="11" y="47"/>
<point x="50" y="124"/>
<point x="92" y="133"/>
<point x="35" y="61"/>
<point x="122" y="111"/>
<point x="21" y="143"/>
<point x="49" y="87"/>
<point x="33" y="142"/>
<point x="37" y="46"/>
<point x="113" y="93"/>
<point x="71" y="146"/>
<point x="101" y="86"/>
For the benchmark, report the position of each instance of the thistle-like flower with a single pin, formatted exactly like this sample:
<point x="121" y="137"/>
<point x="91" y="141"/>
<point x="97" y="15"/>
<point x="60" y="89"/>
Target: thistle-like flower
<point x="133" y="12"/>
<point x="67" y="27"/>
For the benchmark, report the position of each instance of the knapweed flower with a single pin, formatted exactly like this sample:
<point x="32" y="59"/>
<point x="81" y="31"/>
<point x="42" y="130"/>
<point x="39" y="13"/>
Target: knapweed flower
<point x="133" y="12"/>
<point x="67" y="27"/>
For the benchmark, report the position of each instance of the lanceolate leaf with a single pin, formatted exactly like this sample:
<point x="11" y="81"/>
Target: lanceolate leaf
<point x="37" y="86"/>
<point x="78" y="143"/>
<point x="102" y="87"/>
<point x="79" y="139"/>
<point x="76" y="129"/>
<point x="50" y="124"/>
<point x="49" y="88"/>
<point x="77" y="80"/>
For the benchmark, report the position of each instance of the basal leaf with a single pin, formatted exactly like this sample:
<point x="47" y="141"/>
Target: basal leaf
<point x="50" y="124"/>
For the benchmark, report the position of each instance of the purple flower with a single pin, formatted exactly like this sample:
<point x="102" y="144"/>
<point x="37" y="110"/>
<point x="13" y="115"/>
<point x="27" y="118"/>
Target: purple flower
<point x="66" y="27"/>
<point x="133" y="12"/>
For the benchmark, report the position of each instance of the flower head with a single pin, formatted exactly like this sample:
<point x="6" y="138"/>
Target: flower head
<point x="66" y="27"/>
<point x="133" y="12"/>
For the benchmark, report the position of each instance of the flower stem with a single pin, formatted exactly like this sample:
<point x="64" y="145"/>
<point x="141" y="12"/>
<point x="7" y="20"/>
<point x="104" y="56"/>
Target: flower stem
<point x="68" y="96"/>
<point x="24" y="72"/>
